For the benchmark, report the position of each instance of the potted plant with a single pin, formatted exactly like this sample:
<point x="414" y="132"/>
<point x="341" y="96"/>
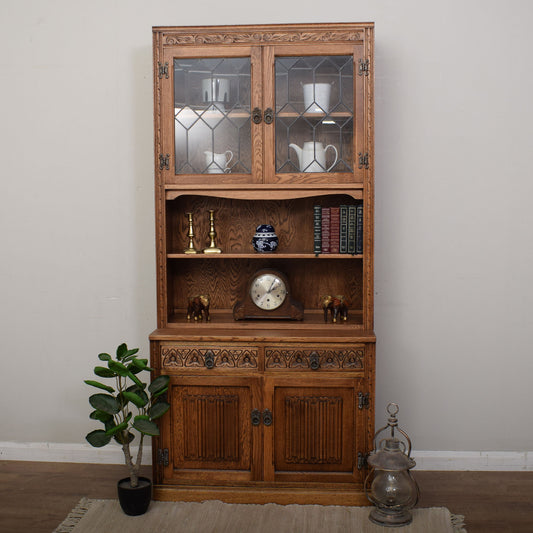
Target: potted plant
<point x="130" y="405"/>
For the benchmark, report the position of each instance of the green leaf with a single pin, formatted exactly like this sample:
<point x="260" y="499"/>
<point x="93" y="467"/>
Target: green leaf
<point x="99" y="385"/>
<point x="98" y="438"/>
<point x="104" y="372"/>
<point x="115" y="429"/>
<point x="105" y="402"/>
<point x="137" y="400"/>
<point x="141" y="417"/>
<point x="158" y="384"/>
<point x="141" y="364"/>
<point x="136" y="380"/>
<point x="122" y="351"/>
<point x="158" y="409"/>
<point x="100" y="415"/>
<point x="146" y="427"/>
<point x="117" y="368"/>
<point x="160" y="393"/>
<point x="104" y="357"/>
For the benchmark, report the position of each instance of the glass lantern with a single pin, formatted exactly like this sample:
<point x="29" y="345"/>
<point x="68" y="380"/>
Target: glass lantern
<point x="393" y="490"/>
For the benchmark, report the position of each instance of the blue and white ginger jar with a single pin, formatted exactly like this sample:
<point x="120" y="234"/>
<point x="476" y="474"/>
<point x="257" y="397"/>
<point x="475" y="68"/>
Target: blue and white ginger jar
<point x="265" y="239"/>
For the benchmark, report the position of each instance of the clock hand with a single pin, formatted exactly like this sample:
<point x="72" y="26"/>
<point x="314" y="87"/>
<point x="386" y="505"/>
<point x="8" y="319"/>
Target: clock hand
<point x="272" y="286"/>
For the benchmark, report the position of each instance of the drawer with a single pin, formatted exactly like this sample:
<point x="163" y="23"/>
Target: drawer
<point x="315" y="358"/>
<point x="208" y="357"/>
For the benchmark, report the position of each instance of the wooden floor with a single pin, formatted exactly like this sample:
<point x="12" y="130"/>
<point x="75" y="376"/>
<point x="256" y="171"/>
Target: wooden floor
<point x="36" y="497"/>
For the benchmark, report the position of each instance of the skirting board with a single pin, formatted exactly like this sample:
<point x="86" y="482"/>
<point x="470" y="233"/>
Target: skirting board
<point x="425" y="460"/>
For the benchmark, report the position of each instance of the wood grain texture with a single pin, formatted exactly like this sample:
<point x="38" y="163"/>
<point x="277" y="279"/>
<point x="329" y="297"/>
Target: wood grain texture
<point x="305" y="377"/>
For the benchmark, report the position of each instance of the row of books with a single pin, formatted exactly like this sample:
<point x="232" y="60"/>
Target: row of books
<point x="338" y="230"/>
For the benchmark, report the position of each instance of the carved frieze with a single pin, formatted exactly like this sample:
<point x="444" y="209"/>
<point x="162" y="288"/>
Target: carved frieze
<point x="258" y="37"/>
<point x="314" y="359"/>
<point x="207" y="357"/>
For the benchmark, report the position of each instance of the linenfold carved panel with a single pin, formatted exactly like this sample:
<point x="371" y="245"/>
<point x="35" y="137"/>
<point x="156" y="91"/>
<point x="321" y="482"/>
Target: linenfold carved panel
<point x="208" y="357"/>
<point x="206" y="419"/>
<point x="314" y="359"/>
<point x="313" y="429"/>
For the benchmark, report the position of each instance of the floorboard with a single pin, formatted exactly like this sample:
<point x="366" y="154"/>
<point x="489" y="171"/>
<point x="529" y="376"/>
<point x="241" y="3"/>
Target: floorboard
<point x="35" y="497"/>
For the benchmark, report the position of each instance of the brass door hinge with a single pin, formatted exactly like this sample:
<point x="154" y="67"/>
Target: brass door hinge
<point x="162" y="457"/>
<point x="364" y="400"/>
<point x="364" y="67"/>
<point x="163" y="69"/>
<point x="363" y="160"/>
<point x="362" y="460"/>
<point x="164" y="161"/>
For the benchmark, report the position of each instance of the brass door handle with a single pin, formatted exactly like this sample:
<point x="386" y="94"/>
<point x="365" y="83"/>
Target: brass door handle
<point x="267" y="417"/>
<point x="257" y="116"/>
<point x="269" y="115"/>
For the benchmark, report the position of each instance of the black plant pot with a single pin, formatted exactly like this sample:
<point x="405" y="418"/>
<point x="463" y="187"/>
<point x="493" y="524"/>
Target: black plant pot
<point x="134" y="500"/>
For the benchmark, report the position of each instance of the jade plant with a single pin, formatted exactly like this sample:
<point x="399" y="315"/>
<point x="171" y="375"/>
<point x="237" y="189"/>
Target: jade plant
<point x="127" y="406"/>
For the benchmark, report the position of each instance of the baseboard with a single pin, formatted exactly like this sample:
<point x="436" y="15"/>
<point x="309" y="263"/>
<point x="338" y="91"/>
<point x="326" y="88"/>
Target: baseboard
<point x="479" y="461"/>
<point x="57" y="452"/>
<point x="425" y="460"/>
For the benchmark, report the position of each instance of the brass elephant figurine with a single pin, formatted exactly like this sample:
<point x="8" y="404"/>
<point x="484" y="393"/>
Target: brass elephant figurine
<point x="198" y="307"/>
<point x="337" y="306"/>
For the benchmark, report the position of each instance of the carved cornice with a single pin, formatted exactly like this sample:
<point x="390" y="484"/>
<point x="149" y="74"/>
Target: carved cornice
<point x="256" y="37"/>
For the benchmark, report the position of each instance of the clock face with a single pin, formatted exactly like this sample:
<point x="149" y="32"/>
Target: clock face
<point x="268" y="291"/>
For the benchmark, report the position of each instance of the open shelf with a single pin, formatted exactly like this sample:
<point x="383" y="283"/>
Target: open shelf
<point x="260" y="257"/>
<point x="313" y="320"/>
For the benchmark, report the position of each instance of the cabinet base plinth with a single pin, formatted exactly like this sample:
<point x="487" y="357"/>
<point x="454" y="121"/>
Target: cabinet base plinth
<point x="262" y="495"/>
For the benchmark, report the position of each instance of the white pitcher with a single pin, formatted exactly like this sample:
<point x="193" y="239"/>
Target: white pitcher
<point x="218" y="163"/>
<point x="312" y="158"/>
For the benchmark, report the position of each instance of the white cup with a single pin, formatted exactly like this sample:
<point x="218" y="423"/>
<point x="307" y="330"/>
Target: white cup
<point x="316" y="97"/>
<point x="215" y="90"/>
<point x="218" y="163"/>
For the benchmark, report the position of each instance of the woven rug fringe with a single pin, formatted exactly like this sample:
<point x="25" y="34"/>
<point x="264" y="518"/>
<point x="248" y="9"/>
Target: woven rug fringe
<point x="458" y="523"/>
<point x="74" y="517"/>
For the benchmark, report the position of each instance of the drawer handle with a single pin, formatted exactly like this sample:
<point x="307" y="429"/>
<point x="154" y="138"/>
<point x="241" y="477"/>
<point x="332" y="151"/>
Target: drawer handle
<point x="267" y="417"/>
<point x="209" y="359"/>
<point x="314" y="361"/>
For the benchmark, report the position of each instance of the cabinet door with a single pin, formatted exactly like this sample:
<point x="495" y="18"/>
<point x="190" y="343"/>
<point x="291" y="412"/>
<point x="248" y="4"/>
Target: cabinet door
<point x="317" y="429"/>
<point x="207" y="97"/>
<point x="318" y="97"/>
<point x="211" y="436"/>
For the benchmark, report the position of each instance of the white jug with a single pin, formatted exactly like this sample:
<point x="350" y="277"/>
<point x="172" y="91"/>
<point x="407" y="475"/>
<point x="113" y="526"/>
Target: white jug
<point x="312" y="158"/>
<point x="316" y="97"/>
<point x="218" y="163"/>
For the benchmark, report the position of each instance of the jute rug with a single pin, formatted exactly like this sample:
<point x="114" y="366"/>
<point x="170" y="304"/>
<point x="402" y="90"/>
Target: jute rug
<point x="105" y="516"/>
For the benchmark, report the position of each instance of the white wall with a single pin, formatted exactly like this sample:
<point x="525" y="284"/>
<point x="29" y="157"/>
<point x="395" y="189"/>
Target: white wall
<point x="454" y="180"/>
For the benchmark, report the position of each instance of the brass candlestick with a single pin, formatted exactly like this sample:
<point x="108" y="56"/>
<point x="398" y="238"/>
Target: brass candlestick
<point x="190" y="249"/>
<point x="212" y="248"/>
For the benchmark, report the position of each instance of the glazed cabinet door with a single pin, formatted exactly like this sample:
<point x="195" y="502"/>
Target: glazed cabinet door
<point x="211" y="436"/>
<point x="317" y="429"/>
<point x="318" y="100"/>
<point x="208" y="131"/>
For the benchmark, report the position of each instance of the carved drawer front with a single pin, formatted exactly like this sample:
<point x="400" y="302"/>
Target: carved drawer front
<point x="315" y="358"/>
<point x="195" y="357"/>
